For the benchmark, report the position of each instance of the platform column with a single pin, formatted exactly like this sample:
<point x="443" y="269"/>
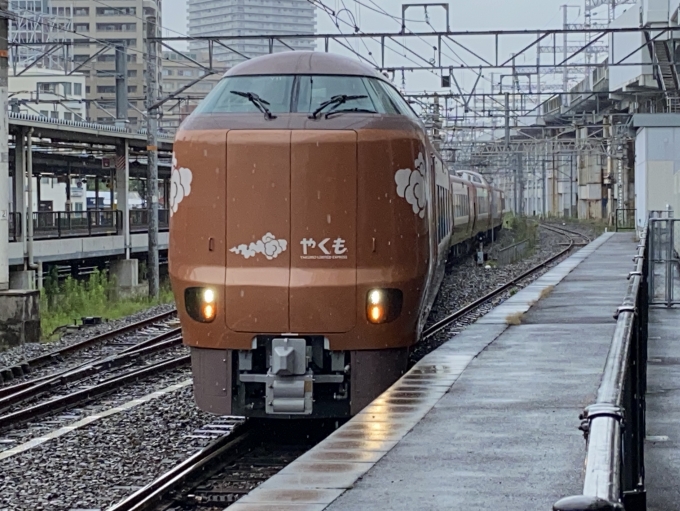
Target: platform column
<point x="19" y="310"/>
<point x="20" y="186"/>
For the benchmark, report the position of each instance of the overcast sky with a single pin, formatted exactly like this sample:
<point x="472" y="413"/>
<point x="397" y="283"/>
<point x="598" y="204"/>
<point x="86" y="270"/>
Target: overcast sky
<point x="483" y="15"/>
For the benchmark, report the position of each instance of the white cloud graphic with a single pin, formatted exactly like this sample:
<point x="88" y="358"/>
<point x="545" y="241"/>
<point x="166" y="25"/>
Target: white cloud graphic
<point x="268" y="246"/>
<point x="412" y="186"/>
<point x="180" y="184"/>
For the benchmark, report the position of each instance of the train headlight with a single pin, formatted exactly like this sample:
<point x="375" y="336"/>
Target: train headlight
<point x="201" y="303"/>
<point x="383" y="305"/>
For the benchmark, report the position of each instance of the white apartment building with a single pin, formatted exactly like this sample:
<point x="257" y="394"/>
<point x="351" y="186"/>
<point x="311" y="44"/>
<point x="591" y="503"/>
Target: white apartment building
<point x="250" y="17"/>
<point x="61" y="95"/>
<point x="178" y="72"/>
<point x="121" y="22"/>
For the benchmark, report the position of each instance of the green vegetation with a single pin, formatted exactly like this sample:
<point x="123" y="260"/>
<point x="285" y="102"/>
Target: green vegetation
<point x="63" y="303"/>
<point x="522" y="229"/>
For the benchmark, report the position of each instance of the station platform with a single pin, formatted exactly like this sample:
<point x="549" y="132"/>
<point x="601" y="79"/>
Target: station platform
<point x="487" y="421"/>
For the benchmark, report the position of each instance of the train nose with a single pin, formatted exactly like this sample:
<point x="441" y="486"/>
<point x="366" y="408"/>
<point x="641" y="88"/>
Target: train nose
<point x="291" y="231"/>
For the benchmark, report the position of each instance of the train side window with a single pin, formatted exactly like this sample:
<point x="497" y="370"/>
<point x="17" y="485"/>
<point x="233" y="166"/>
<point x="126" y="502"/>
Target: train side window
<point x="401" y="104"/>
<point x="379" y="96"/>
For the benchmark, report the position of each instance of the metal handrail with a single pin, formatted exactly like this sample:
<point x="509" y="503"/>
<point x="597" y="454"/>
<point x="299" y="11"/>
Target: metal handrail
<point x="614" y="426"/>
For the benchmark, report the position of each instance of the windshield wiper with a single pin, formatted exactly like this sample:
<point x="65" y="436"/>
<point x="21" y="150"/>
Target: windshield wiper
<point x="335" y="100"/>
<point x="349" y="110"/>
<point x="256" y="100"/>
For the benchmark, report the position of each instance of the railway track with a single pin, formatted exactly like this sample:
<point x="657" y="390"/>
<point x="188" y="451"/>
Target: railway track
<point x="572" y="237"/>
<point x="87" y="350"/>
<point x="233" y="465"/>
<point x="227" y="469"/>
<point x="112" y="359"/>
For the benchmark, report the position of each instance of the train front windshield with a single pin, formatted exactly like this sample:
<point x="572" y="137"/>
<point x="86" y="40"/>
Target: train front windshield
<point x="303" y="94"/>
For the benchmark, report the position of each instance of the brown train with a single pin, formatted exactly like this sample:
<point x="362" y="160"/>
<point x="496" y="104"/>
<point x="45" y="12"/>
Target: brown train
<point x="311" y="223"/>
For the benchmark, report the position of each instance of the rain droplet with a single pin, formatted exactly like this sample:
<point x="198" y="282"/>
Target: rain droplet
<point x="328" y="218"/>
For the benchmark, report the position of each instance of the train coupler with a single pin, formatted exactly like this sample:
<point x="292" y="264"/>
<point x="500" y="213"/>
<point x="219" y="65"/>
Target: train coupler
<point x="289" y="380"/>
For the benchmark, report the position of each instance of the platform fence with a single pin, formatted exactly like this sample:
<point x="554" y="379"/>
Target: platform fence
<point x="513" y="253"/>
<point x="664" y="274"/>
<point x="614" y="426"/>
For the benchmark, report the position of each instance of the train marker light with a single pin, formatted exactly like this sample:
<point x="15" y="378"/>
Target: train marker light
<point x="200" y="303"/>
<point x="383" y="305"/>
<point x="208" y="312"/>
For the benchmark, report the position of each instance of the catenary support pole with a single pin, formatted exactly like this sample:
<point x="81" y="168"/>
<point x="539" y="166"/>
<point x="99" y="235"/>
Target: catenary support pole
<point x="152" y="152"/>
<point x="121" y="87"/>
<point x="4" y="147"/>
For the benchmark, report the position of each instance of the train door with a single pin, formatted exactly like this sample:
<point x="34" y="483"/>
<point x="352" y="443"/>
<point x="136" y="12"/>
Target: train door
<point x="323" y="221"/>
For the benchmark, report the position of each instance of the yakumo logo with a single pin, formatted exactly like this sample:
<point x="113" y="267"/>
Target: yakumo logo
<point x="412" y="186"/>
<point x="325" y="249"/>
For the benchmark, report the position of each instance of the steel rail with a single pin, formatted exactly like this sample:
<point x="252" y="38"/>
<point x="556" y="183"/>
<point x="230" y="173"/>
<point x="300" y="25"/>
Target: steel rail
<point x="88" y="369"/>
<point x="18" y="387"/>
<point x="53" y="356"/>
<point x="443" y="323"/>
<point x="219" y="452"/>
<point x="83" y="396"/>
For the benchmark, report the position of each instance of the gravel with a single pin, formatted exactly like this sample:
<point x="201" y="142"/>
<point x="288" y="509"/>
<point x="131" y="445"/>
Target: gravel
<point x="96" y="466"/>
<point x="39" y="427"/>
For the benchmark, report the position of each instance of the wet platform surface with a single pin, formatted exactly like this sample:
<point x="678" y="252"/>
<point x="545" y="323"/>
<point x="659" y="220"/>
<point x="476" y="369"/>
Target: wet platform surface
<point x="662" y="448"/>
<point x="487" y="421"/>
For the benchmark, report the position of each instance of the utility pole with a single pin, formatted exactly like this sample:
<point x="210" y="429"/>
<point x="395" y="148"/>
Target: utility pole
<point x="121" y="87"/>
<point x="608" y="179"/>
<point x="511" y="157"/>
<point x="122" y="160"/>
<point x="520" y="183"/>
<point x="152" y="153"/>
<point x="565" y="52"/>
<point x="544" y="189"/>
<point x="4" y="147"/>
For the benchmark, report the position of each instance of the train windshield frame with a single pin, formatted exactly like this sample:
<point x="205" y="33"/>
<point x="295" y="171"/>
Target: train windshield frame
<point x="304" y="94"/>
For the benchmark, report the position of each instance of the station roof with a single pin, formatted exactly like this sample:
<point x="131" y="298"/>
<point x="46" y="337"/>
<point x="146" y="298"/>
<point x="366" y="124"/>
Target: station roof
<point x="87" y="132"/>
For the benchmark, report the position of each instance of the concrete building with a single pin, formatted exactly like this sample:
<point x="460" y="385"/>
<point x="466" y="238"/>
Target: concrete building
<point x="122" y="23"/>
<point x="65" y="91"/>
<point x="250" y="17"/>
<point x="178" y="72"/>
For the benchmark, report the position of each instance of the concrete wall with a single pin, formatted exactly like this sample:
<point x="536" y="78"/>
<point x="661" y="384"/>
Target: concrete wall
<point x="657" y="170"/>
<point x="622" y="44"/>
